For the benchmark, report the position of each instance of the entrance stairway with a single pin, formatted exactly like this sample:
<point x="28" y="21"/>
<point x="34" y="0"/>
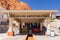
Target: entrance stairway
<point x="30" y="37"/>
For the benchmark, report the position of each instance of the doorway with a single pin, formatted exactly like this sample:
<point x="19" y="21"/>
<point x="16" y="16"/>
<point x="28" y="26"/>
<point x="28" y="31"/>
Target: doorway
<point x="33" y="26"/>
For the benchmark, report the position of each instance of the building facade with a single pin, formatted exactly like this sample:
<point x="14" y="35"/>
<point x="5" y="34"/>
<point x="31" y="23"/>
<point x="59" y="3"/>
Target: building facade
<point x="21" y="21"/>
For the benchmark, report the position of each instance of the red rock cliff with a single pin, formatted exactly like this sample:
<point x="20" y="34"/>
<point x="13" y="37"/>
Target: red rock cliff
<point x="14" y="5"/>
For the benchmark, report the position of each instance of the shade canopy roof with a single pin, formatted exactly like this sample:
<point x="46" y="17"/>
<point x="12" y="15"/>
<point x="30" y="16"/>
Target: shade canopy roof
<point x="26" y="14"/>
<point x="30" y="12"/>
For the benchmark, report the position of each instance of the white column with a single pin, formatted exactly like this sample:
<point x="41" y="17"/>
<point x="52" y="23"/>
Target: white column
<point x="40" y="26"/>
<point x="48" y="29"/>
<point x="10" y="26"/>
<point x="49" y="23"/>
<point x="10" y="30"/>
<point x="50" y="15"/>
<point x="48" y="26"/>
<point x="23" y="24"/>
<point x="17" y="29"/>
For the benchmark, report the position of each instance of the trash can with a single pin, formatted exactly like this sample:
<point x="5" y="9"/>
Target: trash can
<point x="52" y="33"/>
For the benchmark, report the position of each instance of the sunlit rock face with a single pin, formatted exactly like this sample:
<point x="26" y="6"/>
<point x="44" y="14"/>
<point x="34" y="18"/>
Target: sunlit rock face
<point x="14" y="5"/>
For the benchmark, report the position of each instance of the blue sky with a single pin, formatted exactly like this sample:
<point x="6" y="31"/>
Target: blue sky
<point x="43" y="4"/>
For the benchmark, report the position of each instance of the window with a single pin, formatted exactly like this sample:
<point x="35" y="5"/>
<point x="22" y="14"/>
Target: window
<point x="5" y="16"/>
<point x="58" y="17"/>
<point x="4" y="23"/>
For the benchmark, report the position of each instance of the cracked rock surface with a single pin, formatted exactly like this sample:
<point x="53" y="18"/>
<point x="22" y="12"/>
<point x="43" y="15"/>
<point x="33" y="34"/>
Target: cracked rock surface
<point x="14" y="5"/>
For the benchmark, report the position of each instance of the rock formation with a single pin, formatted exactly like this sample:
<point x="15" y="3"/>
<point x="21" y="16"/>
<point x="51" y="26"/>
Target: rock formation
<point x="14" y="5"/>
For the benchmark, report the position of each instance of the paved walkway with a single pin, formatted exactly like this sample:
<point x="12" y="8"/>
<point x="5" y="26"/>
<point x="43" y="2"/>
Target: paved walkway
<point x="18" y="37"/>
<point x="3" y="35"/>
<point x="22" y="37"/>
<point x="47" y="38"/>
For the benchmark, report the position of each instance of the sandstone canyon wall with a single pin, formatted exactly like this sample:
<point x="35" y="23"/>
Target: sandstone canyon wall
<point x="14" y="5"/>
